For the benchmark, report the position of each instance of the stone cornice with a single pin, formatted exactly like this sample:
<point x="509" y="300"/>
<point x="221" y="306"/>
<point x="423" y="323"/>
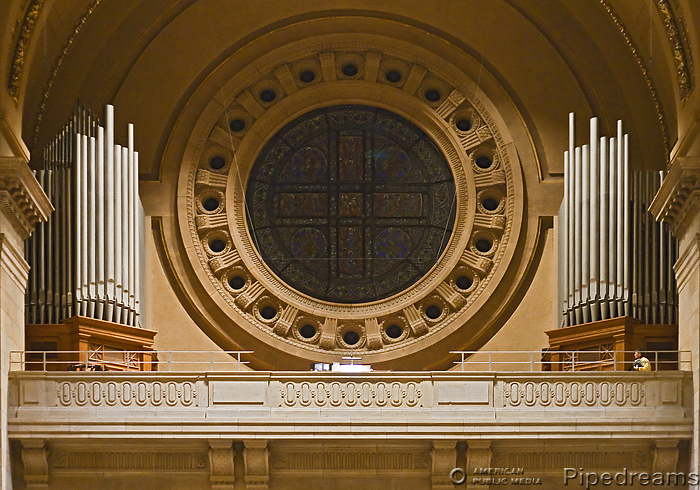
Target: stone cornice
<point x="21" y="197"/>
<point x="679" y="196"/>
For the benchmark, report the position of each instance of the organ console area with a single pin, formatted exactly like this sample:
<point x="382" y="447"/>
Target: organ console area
<point x="85" y="285"/>
<point x="617" y="290"/>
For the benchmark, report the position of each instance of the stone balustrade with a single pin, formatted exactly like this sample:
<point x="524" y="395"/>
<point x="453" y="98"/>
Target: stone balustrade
<point x="368" y="405"/>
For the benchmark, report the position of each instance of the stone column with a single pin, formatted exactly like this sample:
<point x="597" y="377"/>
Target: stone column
<point x="678" y="204"/>
<point x="22" y="205"/>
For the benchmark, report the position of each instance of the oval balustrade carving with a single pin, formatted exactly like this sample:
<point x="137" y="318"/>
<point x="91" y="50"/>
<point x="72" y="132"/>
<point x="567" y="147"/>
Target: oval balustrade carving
<point x="127" y="393"/>
<point x="352" y="394"/>
<point x="574" y="394"/>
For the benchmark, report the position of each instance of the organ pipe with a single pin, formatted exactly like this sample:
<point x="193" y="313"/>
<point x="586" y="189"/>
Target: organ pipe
<point x="87" y="259"/>
<point x="616" y="259"/>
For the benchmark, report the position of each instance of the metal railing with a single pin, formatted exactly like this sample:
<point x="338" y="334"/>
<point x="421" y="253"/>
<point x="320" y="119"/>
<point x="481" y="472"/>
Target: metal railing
<point x="570" y="360"/>
<point x="169" y="361"/>
<point x="140" y="361"/>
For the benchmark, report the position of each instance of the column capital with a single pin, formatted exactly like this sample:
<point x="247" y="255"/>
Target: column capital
<point x="21" y="197"/>
<point x="678" y="199"/>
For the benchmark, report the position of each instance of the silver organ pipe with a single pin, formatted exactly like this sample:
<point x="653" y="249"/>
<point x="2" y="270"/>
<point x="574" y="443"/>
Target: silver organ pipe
<point x="88" y="257"/>
<point x="616" y="260"/>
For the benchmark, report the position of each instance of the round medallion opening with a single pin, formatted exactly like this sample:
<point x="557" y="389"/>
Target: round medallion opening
<point x="237" y="125"/>
<point x="464" y="124"/>
<point x="307" y="331"/>
<point x="483" y="162"/>
<point x="464" y="282"/>
<point x="432" y="95"/>
<point x="351" y="337"/>
<point x="490" y="204"/>
<point x="433" y="312"/>
<point x="268" y="95"/>
<point x="350" y="70"/>
<point x="393" y="76"/>
<point x="307" y="76"/>
<point x="351" y="204"/>
<point x="268" y="312"/>
<point x="217" y="245"/>
<point x="394" y="331"/>
<point x="217" y="163"/>
<point x="236" y="282"/>
<point x="210" y="204"/>
<point x="483" y="245"/>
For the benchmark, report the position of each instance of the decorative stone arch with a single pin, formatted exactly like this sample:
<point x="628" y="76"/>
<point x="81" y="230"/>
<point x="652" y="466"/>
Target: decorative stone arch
<point x="257" y="303"/>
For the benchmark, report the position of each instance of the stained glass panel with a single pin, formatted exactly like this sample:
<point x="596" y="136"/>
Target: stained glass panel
<point x="350" y="204"/>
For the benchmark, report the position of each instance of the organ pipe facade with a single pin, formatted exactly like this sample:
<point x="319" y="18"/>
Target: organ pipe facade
<point x="615" y="259"/>
<point x="88" y="258"/>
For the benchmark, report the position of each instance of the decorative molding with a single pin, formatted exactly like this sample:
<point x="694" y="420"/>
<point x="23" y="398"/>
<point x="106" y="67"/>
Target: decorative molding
<point x="349" y="460"/>
<point x="127" y="394"/>
<point x="132" y="459"/>
<point x="257" y="465"/>
<point x="57" y="64"/>
<point x="661" y="116"/>
<point x="352" y="394"/>
<point x="555" y="460"/>
<point x="31" y="16"/>
<point x="678" y="199"/>
<point x="678" y="39"/>
<point x="21" y="197"/>
<point x="221" y="456"/>
<point x="573" y="394"/>
<point x="36" y="465"/>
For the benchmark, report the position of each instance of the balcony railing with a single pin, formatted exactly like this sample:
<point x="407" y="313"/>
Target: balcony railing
<point x="227" y="361"/>
<point x="164" y="361"/>
<point x="569" y="360"/>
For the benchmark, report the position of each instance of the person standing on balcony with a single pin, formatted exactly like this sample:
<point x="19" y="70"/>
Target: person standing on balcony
<point x="641" y="363"/>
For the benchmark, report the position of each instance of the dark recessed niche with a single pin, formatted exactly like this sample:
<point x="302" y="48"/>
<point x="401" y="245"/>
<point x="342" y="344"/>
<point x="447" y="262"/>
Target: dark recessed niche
<point x="490" y="204"/>
<point x="464" y="282"/>
<point x="351" y="337"/>
<point x="393" y="76"/>
<point x="483" y="162"/>
<point x="394" y="331"/>
<point x="237" y="125"/>
<point x="268" y="312"/>
<point x="433" y="312"/>
<point x="236" y="282"/>
<point x="307" y="76"/>
<point x="307" y="331"/>
<point x="210" y="204"/>
<point x="217" y="163"/>
<point x="464" y="124"/>
<point x="432" y="95"/>
<point x="267" y="95"/>
<point x="483" y="245"/>
<point x="349" y="70"/>
<point x="217" y="245"/>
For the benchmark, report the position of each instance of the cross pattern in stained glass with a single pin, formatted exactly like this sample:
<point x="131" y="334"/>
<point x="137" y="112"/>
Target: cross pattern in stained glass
<point x="350" y="204"/>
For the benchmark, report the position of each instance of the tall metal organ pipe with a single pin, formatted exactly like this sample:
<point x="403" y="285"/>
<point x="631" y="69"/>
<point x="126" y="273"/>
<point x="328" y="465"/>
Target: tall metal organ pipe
<point x="615" y="259"/>
<point x="87" y="259"/>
